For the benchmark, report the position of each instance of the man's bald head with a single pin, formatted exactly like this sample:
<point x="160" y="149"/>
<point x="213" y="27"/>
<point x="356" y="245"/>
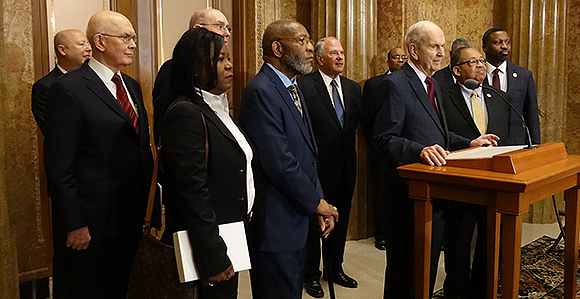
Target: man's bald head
<point x="104" y="22"/>
<point x="275" y="31"/>
<point x="113" y="39"/>
<point x="287" y="46"/>
<point x="212" y="20"/>
<point x="71" y="48"/>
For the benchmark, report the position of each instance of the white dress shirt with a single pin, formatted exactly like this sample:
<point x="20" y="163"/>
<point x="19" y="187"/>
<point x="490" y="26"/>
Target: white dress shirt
<point x="502" y="74"/>
<point x="106" y="75"/>
<point x="327" y="80"/>
<point x="219" y="104"/>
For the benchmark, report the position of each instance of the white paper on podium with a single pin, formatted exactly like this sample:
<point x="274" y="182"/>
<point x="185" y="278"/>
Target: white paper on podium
<point x="233" y="234"/>
<point x="484" y="152"/>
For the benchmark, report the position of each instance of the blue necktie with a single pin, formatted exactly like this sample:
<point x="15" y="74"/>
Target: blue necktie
<point x="337" y="103"/>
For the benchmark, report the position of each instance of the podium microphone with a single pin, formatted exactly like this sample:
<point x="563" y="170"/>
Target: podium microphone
<point x="472" y="84"/>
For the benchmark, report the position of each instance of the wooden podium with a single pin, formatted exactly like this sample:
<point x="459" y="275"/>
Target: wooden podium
<point x="507" y="184"/>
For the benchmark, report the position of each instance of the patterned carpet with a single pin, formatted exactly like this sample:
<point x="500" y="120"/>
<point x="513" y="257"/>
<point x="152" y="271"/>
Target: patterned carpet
<point x="542" y="274"/>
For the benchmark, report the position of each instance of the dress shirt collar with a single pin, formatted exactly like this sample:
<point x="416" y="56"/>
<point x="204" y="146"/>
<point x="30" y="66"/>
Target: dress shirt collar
<point x="216" y="102"/>
<point x="61" y="69"/>
<point x="287" y="82"/>
<point x="490" y="68"/>
<point x="105" y="73"/>
<point x="327" y="80"/>
<point x="419" y="73"/>
<point x="467" y="92"/>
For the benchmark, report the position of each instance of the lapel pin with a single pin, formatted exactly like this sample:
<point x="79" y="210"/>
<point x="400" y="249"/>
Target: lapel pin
<point x="515" y="75"/>
<point x="488" y="95"/>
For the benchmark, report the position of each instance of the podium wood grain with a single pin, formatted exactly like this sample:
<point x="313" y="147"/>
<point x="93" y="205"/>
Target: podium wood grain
<point x="507" y="191"/>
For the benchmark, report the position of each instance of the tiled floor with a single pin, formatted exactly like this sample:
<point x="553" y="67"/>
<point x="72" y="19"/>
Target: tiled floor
<point x="367" y="265"/>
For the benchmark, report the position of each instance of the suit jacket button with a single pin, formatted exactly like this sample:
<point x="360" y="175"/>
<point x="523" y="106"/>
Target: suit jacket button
<point x="241" y="170"/>
<point x="314" y="163"/>
<point x="241" y="198"/>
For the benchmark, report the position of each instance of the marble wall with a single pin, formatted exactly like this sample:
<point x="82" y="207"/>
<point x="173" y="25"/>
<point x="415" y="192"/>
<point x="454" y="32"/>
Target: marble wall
<point x="22" y="228"/>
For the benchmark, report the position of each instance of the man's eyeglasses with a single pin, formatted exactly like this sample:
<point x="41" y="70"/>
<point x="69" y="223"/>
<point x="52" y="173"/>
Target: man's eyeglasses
<point x="220" y="26"/>
<point x="397" y="57"/>
<point x="303" y="40"/>
<point x="473" y="61"/>
<point x="125" y="38"/>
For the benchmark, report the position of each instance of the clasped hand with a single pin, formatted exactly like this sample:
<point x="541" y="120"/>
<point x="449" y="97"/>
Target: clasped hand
<point x="327" y="214"/>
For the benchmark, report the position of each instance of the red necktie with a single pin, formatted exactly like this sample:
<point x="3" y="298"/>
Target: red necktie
<point x="495" y="79"/>
<point x="431" y="92"/>
<point x="123" y="99"/>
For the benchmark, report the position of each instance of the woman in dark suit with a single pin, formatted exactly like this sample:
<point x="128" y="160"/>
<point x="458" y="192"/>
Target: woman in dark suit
<point x="205" y="159"/>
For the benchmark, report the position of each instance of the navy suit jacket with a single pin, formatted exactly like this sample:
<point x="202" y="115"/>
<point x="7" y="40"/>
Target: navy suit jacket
<point x="40" y="95"/>
<point x="287" y="153"/>
<point x="336" y="143"/>
<point x="98" y="167"/>
<point x="407" y="121"/>
<point x="522" y="95"/>
<point x="460" y="120"/>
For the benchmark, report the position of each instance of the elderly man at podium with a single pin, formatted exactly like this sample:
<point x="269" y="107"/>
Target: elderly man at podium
<point x="411" y="127"/>
<point x="470" y="112"/>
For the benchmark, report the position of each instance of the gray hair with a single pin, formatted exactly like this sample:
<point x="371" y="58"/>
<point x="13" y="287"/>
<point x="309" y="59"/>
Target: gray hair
<point x="461" y="43"/>
<point x="319" y="47"/>
<point x="415" y="33"/>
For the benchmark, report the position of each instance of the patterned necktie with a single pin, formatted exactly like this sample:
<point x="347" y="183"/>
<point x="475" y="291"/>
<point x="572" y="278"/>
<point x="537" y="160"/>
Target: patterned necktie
<point x="123" y="99"/>
<point x="495" y="79"/>
<point x="337" y="103"/>
<point x="295" y="97"/>
<point x="478" y="114"/>
<point x="431" y="92"/>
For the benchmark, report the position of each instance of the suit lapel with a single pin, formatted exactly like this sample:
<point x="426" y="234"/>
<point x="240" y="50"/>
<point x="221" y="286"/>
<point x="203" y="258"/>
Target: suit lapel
<point x="458" y="100"/>
<point x="212" y="116"/>
<point x="323" y="92"/>
<point x="94" y="83"/>
<point x="302" y="122"/>
<point x="423" y="97"/>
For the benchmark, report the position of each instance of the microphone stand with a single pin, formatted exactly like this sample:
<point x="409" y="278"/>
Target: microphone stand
<point x="472" y="84"/>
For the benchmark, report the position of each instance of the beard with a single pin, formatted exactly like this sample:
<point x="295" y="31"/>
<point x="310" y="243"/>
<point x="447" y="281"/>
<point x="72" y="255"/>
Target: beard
<point x="296" y="62"/>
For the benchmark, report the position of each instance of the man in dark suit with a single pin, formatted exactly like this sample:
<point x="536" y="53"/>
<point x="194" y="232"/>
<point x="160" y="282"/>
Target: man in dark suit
<point x="445" y="76"/>
<point x="275" y="117"/>
<point x="333" y="102"/>
<point x="98" y="163"/>
<point x="208" y="18"/>
<point x="469" y="113"/>
<point x="71" y="48"/>
<point x="517" y="81"/>
<point x="370" y="105"/>
<point x="411" y="127"/>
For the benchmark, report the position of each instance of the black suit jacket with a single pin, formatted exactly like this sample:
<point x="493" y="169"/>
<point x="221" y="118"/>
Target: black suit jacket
<point x="522" y="94"/>
<point x="370" y="106"/>
<point x="201" y="193"/>
<point x="336" y="144"/>
<point x="98" y="167"/>
<point x="163" y="96"/>
<point x="287" y="153"/>
<point x="460" y="120"/>
<point x="40" y="95"/>
<point x="445" y="78"/>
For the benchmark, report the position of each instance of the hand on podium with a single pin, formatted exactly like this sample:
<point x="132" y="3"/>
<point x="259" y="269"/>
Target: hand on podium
<point x="434" y="155"/>
<point x="484" y="140"/>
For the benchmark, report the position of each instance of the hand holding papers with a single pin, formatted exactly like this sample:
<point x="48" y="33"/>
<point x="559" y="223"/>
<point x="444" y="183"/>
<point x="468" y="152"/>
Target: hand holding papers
<point x="233" y="234"/>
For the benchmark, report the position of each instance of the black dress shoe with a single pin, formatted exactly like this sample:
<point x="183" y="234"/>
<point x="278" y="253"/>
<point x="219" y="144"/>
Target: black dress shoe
<point x="314" y="289"/>
<point x="381" y="244"/>
<point x="344" y="280"/>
